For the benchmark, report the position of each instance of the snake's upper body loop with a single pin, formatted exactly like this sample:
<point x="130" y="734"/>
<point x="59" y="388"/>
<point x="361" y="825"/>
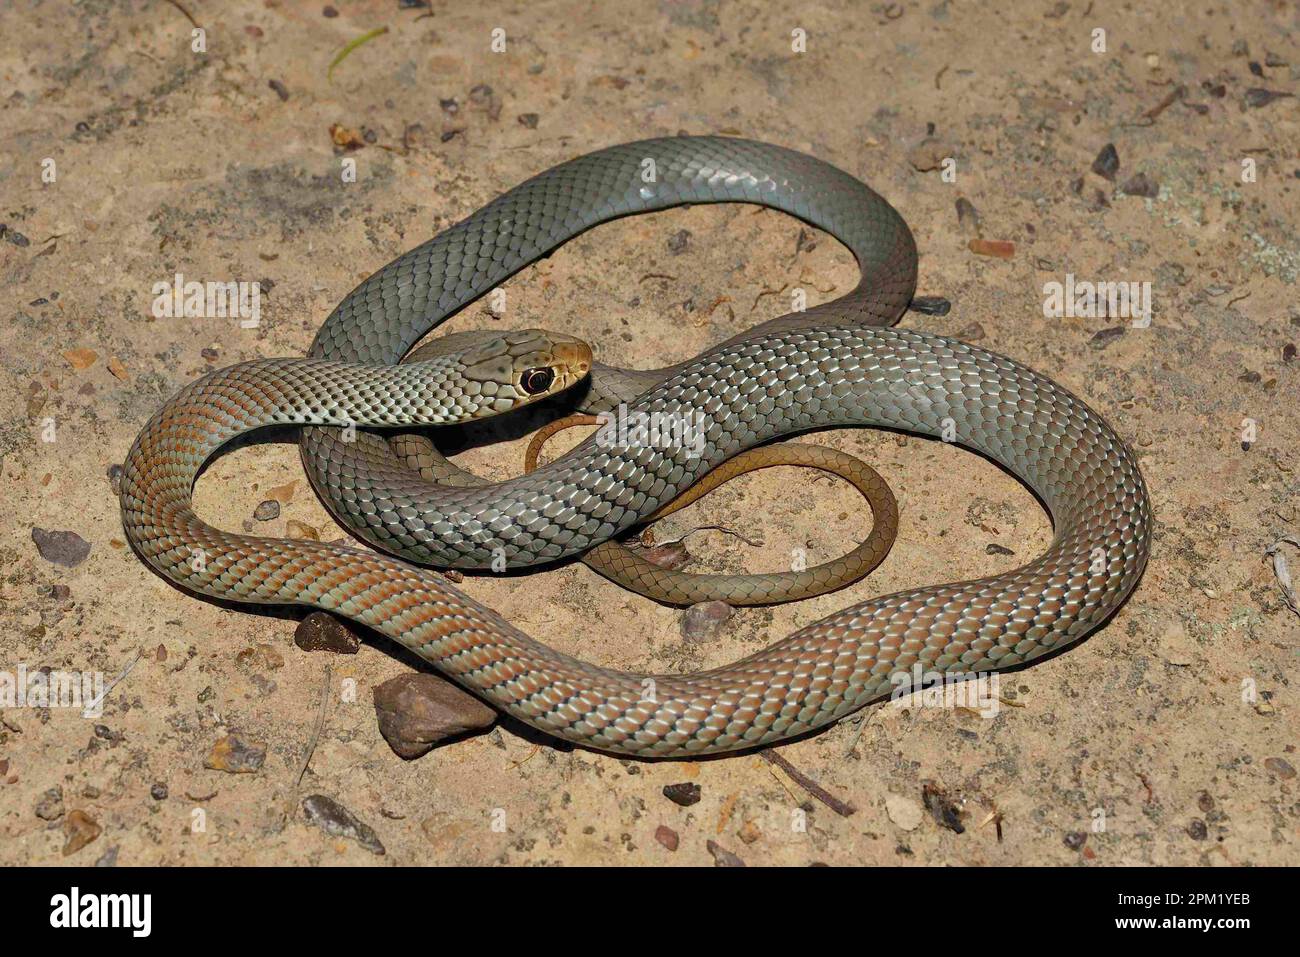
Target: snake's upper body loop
<point x="390" y="311"/>
<point x="831" y="366"/>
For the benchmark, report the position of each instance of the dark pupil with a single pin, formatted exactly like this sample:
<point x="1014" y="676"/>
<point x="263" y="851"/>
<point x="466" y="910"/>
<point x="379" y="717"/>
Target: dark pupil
<point x="537" y="381"/>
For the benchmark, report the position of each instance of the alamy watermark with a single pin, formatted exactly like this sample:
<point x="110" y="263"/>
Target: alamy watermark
<point x="658" y="430"/>
<point x="179" y="299"/>
<point x="975" y="690"/>
<point x="1098" y="300"/>
<point x="83" y="690"/>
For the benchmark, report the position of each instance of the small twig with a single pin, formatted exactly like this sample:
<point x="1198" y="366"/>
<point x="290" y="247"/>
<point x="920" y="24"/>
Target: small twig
<point x="176" y="4"/>
<point x="352" y="45"/>
<point x="320" y="726"/>
<point x="89" y="709"/>
<point x="1177" y="93"/>
<point x="753" y="543"/>
<point x="520" y="763"/>
<point x="808" y="784"/>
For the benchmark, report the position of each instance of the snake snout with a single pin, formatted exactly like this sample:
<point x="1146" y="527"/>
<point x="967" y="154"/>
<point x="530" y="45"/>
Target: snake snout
<point x="569" y="356"/>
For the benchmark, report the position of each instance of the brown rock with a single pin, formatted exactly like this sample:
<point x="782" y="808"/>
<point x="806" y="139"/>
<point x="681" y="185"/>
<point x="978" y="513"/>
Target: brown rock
<point x="323" y="632"/>
<point x="666" y="836"/>
<point x="80" y="829"/>
<point x="61" y="548"/>
<point x="723" y="857"/>
<point x="683" y="794"/>
<point x="236" y="756"/>
<point x="1106" y="165"/>
<point x="1281" y="767"/>
<point x="417" y="711"/>
<point x="81" y="359"/>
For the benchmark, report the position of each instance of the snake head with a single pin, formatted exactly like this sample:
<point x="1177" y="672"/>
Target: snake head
<point x="517" y="368"/>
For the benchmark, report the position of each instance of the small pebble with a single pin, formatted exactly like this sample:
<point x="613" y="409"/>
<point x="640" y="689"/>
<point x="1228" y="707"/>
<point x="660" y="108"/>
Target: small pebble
<point x="1107" y="162"/>
<point x="1289" y="352"/>
<point x="267" y="510"/>
<point x="158" y="792"/>
<point x="1281" y="767"/>
<point x="1141" y="185"/>
<point x="109" y="857"/>
<point x="236" y="756"/>
<point x="333" y="818"/>
<point x="114" y="474"/>
<point x="1197" y="830"/>
<point x="1104" y="337"/>
<point x="320" y="631"/>
<point x="529" y="120"/>
<point x="1075" y="840"/>
<point x="14" y="236"/>
<point x="329" y="13"/>
<point x="683" y="795"/>
<point x="723" y="857"/>
<point x="1256" y="97"/>
<point x="50" y="806"/>
<point x="702" y="620"/>
<point x="678" y="241"/>
<point x="416" y="711"/>
<point x="666" y="836"/>
<point x="968" y="217"/>
<point x="993" y="548"/>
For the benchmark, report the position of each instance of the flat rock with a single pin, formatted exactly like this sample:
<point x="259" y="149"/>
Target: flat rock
<point x="333" y="818"/>
<point x="904" y="812"/>
<point x="61" y="548"/>
<point x="416" y="711"/>
<point x="235" y="755"/>
<point x="703" y="620"/>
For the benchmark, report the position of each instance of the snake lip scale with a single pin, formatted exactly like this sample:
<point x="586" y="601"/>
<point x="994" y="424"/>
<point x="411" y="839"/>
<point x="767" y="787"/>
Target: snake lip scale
<point x="837" y="364"/>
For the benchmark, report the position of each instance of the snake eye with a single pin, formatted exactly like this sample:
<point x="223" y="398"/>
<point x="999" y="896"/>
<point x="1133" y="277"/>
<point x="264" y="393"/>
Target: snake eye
<point x="537" y="381"/>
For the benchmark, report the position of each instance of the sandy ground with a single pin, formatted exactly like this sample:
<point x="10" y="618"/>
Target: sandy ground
<point x="1168" y="737"/>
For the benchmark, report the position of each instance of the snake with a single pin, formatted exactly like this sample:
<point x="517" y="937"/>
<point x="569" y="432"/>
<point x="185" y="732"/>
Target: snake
<point x="837" y="364"/>
<point x="636" y="572"/>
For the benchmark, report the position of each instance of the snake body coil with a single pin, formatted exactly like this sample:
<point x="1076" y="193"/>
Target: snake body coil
<point x="831" y="366"/>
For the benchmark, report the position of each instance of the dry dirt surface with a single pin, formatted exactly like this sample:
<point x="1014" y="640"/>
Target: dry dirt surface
<point x="128" y="156"/>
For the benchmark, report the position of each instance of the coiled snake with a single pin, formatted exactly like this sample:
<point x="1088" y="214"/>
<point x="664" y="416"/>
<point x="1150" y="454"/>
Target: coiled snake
<point x="837" y="364"/>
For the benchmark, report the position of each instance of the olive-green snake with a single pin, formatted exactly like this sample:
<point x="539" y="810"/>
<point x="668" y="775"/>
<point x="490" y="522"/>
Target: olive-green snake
<point x="836" y="364"/>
